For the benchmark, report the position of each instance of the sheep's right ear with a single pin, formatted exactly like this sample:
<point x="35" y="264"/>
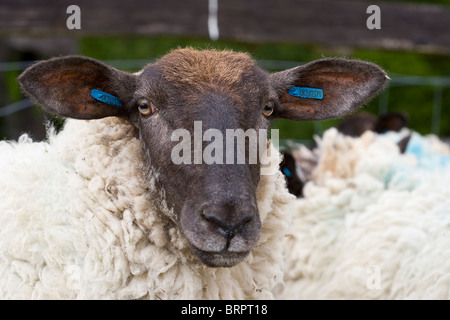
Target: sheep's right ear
<point x="63" y="86"/>
<point x="326" y="88"/>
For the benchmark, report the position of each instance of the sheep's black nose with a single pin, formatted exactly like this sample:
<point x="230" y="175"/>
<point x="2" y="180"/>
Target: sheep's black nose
<point x="227" y="227"/>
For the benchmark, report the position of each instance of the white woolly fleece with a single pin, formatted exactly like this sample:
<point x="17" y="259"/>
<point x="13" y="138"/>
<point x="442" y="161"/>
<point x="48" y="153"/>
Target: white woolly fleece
<point x="374" y="223"/>
<point x="76" y="221"/>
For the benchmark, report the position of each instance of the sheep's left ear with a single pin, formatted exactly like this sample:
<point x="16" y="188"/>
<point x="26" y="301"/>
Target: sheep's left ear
<point x="63" y="86"/>
<point x="326" y="88"/>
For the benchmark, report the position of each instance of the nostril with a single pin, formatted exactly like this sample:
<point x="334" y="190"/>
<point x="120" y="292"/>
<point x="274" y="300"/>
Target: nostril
<point x="213" y="218"/>
<point x="227" y="233"/>
<point x="226" y="228"/>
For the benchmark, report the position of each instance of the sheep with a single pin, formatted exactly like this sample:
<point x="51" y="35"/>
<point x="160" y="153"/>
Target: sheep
<point x="299" y="162"/>
<point x="102" y="209"/>
<point x="374" y="222"/>
<point x="112" y="243"/>
<point x="288" y="167"/>
<point x="359" y="123"/>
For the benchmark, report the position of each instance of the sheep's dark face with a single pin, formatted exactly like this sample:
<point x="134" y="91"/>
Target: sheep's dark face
<point x="188" y="108"/>
<point x="197" y="100"/>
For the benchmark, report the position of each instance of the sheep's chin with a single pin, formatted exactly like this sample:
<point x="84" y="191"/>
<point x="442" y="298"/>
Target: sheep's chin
<point x="222" y="259"/>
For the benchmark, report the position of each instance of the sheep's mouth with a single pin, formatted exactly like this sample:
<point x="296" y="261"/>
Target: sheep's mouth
<point x="219" y="259"/>
<point x="218" y="236"/>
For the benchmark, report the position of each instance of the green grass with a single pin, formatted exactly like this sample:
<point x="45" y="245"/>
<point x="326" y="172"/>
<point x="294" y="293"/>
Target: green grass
<point x="12" y="87"/>
<point x="150" y="48"/>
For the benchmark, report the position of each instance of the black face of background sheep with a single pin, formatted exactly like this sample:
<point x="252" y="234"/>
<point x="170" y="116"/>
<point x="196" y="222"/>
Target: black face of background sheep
<point x="214" y="204"/>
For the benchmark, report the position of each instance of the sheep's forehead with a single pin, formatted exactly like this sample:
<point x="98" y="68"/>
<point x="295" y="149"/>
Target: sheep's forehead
<point x="192" y="67"/>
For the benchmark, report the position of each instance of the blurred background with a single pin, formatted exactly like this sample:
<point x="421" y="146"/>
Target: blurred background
<point x="412" y="45"/>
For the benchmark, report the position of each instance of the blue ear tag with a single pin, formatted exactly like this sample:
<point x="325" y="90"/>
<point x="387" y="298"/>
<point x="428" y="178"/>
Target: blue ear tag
<point x="303" y="92"/>
<point x="105" y="97"/>
<point x="287" y="172"/>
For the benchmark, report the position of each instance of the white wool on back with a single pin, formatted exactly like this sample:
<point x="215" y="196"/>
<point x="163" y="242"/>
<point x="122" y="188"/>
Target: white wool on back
<point x="77" y="221"/>
<point x="374" y="223"/>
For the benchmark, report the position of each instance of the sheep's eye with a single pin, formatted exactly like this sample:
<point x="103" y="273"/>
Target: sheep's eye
<point x="144" y="107"/>
<point x="268" y="109"/>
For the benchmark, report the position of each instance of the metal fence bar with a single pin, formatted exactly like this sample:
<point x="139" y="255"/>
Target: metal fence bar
<point x="15" y="66"/>
<point x="16" y="107"/>
<point x="383" y="104"/>
<point x="401" y="80"/>
<point x="437" y="109"/>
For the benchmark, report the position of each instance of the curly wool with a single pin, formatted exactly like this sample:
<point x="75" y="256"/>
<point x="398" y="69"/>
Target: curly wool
<point x="78" y="221"/>
<point x="374" y="223"/>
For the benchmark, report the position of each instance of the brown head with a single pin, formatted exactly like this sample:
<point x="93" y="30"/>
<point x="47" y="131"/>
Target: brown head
<point x="214" y="93"/>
